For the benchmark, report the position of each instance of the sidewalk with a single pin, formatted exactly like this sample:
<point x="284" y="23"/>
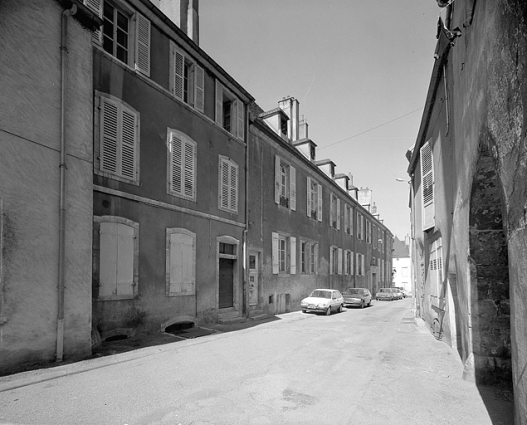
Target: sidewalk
<point x="420" y="382"/>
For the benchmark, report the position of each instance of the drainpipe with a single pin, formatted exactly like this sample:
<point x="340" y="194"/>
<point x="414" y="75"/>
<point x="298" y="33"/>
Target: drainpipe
<point x="62" y="194"/>
<point x="246" y="229"/>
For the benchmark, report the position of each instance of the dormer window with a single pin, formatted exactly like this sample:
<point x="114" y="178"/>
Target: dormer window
<point x="283" y="127"/>
<point x="312" y="152"/>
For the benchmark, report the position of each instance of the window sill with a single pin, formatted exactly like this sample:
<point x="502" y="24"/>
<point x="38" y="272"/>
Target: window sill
<point x="181" y="294"/>
<point x="116" y="177"/>
<point x="116" y="298"/>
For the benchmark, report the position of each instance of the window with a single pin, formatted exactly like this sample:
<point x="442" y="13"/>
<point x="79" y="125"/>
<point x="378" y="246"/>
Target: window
<point x="285" y="184"/>
<point x="368" y="231"/>
<point x="360" y="265"/>
<point x="228" y="181"/>
<point x="187" y="81"/>
<point x="117" y="152"/>
<point x="348" y="219"/>
<point x="335" y="260"/>
<point x="348" y="270"/>
<point x="119" y="37"/>
<point x="427" y="178"/>
<point x="314" y="199"/>
<point x="230" y="112"/>
<point x="180" y="262"/>
<point x="360" y="226"/>
<point x="436" y="270"/>
<point x="115" y="253"/>
<point x="182" y="165"/>
<point x="335" y="212"/>
<point x="308" y="257"/>
<point x="284" y="254"/>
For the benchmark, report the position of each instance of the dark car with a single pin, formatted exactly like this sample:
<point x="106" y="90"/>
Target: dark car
<point x="359" y="297"/>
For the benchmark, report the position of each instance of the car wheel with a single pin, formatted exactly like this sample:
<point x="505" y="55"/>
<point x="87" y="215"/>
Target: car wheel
<point x="369" y="304"/>
<point x="362" y="304"/>
<point x="303" y="310"/>
<point x="328" y="311"/>
<point x="340" y="309"/>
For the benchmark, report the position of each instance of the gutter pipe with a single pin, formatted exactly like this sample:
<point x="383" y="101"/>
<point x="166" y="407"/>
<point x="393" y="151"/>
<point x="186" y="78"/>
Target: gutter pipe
<point x="62" y="193"/>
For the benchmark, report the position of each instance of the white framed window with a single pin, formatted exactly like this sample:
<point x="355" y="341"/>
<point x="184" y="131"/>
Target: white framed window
<point x="285" y="184"/>
<point x="181" y="165"/>
<point x="308" y="257"/>
<point x="348" y="261"/>
<point x="228" y="185"/>
<point x="314" y="199"/>
<point x="284" y="253"/>
<point x="180" y="262"/>
<point x="368" y="231"/>
<point x="187" y="79"/>
<point x="230" y="111"/>
<point x="360" y="226"/>
<point x="335" y="212"/>
<point x="125" y="34"/>
<point x="335" y="260"/>
<point x="360" y="265"/>
<point x="117" y="150"/>
<point x="115" y="257"/>
<point x="348" y="219"/>
<point x="427" y="178"/>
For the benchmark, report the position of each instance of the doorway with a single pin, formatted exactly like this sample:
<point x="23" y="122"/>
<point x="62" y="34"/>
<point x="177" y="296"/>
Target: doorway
<point x="226" y="283"/>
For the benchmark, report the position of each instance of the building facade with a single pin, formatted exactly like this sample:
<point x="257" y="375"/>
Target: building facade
<point x="306" y="229"/>
<point x="46" y="168"/>
<point x="401" y="271"/>
<point x="469" y="193"/>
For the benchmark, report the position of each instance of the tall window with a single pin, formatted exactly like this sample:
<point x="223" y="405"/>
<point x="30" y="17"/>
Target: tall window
<point x="188" y="79"/>
<point x="360" y="226"/>
<point x="308" y="257"/>
<point x="284" y="254"/>
<point x="427" y="176"/>
<point x="115" y="32"/>
<point x="349" y="263"/>
<point x="335" y="212"/>
<point x="116" y="257"/>
<point x="368" y="231"/>
<point x="182" y="165"/>
<point x="360" y="265"/>
<point x="348" y="220"/>
<point x="285" y="184"/>
<point x="314" y="199"/>
<point x="228" y="181"/>
<point x="180" y="262"/>
<point x="436" y="270"/>
<point x="118" y="149"/>
<point x="230" y="112"/>
<point x="335" y="260"/>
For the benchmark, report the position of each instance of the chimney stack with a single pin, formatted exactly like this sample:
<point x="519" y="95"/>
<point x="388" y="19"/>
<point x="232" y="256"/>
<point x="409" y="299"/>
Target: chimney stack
<point x="183" y="13"/>
<point x="290" y="106"/>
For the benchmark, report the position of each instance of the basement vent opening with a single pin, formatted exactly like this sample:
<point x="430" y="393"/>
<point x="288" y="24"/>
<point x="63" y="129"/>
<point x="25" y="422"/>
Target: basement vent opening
<point x="116" y="338"/>
<point x="187" y="330"/>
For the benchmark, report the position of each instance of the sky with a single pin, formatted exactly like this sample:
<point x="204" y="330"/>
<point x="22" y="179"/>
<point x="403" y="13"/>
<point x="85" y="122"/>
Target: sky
<point x="359" y="69"/>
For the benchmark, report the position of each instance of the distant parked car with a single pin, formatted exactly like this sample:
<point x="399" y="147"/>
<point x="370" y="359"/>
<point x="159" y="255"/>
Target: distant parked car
<point x="398" y="293"/>
<point x="402" y="291"/>
<point x="385" y="294"/>
<point x="360" y="297"/>
<point x="323" y="301"/>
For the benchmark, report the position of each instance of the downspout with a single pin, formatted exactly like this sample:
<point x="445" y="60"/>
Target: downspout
<point x="246" y="229"/>
<point x="62" y="193"/>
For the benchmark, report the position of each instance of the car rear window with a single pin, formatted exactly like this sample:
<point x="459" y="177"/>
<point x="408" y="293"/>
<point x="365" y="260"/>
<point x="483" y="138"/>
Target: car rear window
<point x="321" y="294"/>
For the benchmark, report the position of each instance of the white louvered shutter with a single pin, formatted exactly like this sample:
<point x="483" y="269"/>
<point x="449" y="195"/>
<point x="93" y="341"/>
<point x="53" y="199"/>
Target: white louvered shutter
<point x="339" y="261"/>
<point x="108" y="259"/>
<point x="277" y="179"/>
<point x="178" y="69"/>
<point x="182" y="264"/>
<point x="346" y="219"/>
<point x="125" y="259"/>
<point x="189" y="169"/>
<point x="309" y="195"/>
<point x="96" y="7"/>
<point x="128" y="143"/>
<point x="352" y="269"/>
<point x="240" y="119"/>
<point x="292" y="188"/>
<point x="275" y="260"/>
<point x="219" y="103"/>
<point x="319" y="212"/>
<point x="331" y="266"/>
<point x="338" y="214"/>
<point x="293" y="255"/>
<point x="316" y="258"/>
<point x="109" y="135"/>
<point x="142" y="44"/>
<point x="427" y="178"/>
<point x="199" y="89"/>
<point x="176" y="163"/>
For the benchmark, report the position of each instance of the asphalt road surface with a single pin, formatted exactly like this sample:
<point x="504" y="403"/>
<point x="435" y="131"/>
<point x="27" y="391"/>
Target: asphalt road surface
<point x="300" y="369"/>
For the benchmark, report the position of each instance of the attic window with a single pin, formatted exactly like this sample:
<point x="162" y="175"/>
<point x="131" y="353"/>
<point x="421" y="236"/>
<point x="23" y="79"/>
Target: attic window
<point x="283" y="127"/>
<point x="312" y="152"/>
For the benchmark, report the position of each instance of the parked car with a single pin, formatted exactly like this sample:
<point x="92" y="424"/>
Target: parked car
<point x="385" y="294"/>
<point x="360" y="297"/>
<point x="402" y="291"/>
<point x="398" y="293"/>
<point x="323" y="301"/>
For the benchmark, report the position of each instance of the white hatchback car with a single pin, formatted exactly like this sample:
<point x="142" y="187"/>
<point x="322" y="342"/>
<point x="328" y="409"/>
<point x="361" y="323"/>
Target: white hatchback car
<point x="323" y="301"/>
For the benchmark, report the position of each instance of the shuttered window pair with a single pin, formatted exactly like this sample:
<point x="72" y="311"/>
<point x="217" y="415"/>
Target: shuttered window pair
<point x="314" y="199"/>
<point x="308" y="257"/>
<point x="124" y="34"/>
<point x="360" y="265"/>
<point x="119" y="139"/>
<point x="182" y="165"/>
<point x="284" y="253"/>
<point x="427" y="178"/>
<point x="285" y="184"/>
<point x="187" y="82"/>
<point x="180" y="262"/>
<point x="335" y="260"/>
<point x="349" y="263"/>
<point x="228" y="185"/>
<point x="230" y="112"/>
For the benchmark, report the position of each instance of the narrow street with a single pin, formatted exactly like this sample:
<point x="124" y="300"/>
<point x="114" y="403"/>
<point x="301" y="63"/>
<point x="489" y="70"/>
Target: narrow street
<point x="362" y="366"/>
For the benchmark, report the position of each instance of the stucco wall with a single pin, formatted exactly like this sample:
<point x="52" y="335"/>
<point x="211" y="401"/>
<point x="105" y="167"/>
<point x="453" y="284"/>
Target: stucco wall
<point x="29" y="184"/>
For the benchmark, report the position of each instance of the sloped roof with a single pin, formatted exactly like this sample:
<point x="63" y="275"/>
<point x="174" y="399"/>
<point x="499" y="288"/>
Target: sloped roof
<point x="400" y="249"/>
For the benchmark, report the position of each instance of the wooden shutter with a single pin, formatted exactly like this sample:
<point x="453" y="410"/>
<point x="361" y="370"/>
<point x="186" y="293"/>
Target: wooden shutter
<point x="125" y="259"/>
<point x="116" y="259"/>
<point x="176" y="163"/>
<point x="109" y="135"/>
<point x="142" y="44"/>
<point x="346" y="219"/>
<point x="292" y="188"/>
<point x="357" y="258"/>
<point x="128" y="143"/>
<point x="427" y="178"/>
<point x="219" y="103"/>
<point x="178" y="65"/>
<point x="224" y="179"/>
<point x="182" y="263"/>
<point x="189" y="169"/>
<point x="319" y="212"/>
<point x="352" y="269"/>
<point x="95" y="6"/>
<point x="277" y="179"/>
<point x="338" y="214"/>
<point x="275" y="258"/>
<point x="331" y="271"/>
<point x="309" y="200"/>
<point x="233" y="187"/>
<point x="316" y="258"/>
<point x="293" y="255"/>
<point x="339" y="251"/>
<point x="108" y="259"/>
<point x="240" y="119"/>
<point x="363" y="271"/>
<point x="199" y="89"/>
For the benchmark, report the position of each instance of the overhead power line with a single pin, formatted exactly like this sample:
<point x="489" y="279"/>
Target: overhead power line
<point x="373" y="128"/>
